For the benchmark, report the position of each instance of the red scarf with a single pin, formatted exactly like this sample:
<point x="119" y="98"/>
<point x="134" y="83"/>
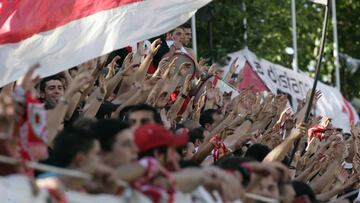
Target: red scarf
<point x="317" y="131"/>
<point x="32" y="133"/>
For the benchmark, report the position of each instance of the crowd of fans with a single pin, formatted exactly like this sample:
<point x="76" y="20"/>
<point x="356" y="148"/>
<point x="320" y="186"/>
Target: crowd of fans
<point x="140" y="128"/>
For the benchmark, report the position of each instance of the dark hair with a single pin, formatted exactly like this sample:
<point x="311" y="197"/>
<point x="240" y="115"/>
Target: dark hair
<point x="151" y="152"/>
<point x="186" y="25"/>
<point x="106" y="131"/>
<point x="68" y="143"/>
<point x="234" y="163"/>
<point x="124" y="114"/>
<point x="47" y="79"/>
<point x="196" y="134"/>
<point x="302" y="188"/>
<point x="257" y="151"/>
<point x="83" y="123"/>
<point x="206" y="117"/>
<point x="188" y="163"/>
<point x="105" y="110"/>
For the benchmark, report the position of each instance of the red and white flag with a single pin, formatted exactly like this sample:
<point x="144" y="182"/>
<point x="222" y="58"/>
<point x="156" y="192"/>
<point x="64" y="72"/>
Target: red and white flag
<point x="61" y="34"/>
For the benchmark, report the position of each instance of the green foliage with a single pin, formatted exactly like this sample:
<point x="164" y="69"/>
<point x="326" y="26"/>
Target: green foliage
<point x="269" y="33"/>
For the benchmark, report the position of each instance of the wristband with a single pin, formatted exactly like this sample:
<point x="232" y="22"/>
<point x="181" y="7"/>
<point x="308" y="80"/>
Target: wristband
<point x="220" y="149"/>
<point x="99" y="98"/>
<point x="183" y="96"/>
<point x="63" y="100"/>
<point x="247" y="118"/>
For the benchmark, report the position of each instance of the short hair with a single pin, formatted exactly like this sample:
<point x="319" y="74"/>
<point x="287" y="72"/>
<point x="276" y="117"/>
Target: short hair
<point x="234" y="163"/>
<point x="83" y="123"/>
<point x="196" y="134"/>
<point x="125" y="113"/>
<point x="68" y="143"/>
<point x="47" y="79"/>
<point x="151" y="152"/>
<point x="257" y="151"/>
<point x="186" y="25"/>
<point x="206" y="116"/>
<point x="302" y="188"/>
<point x="106" y="131"/>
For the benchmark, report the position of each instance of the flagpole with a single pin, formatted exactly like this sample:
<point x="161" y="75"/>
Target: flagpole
<point x="193" y="32"/>
<point x="294" y="36"/>
<point x="245" y="24"/>
<point x="317" y="74"/>
<point x="336" y="44"/>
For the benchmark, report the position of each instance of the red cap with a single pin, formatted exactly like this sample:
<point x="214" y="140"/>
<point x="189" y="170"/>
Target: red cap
<point x="151" y="136"/>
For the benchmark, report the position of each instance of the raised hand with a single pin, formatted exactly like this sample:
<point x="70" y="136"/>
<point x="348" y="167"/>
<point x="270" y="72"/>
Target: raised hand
<point x="155" y="46"/>
<point x="7" y="116"/>
<point x="299" y="131"/>
<point x="27" y="82"/>
<point x="233" y="66"/>
<point x="202" y="62"/>
<point x="184" y="67"/>
<point x="186" y="86"/>
<point x="127" y="61"/>
<point x="80" y="82"/>
<point x="103" y="85"/>
<point x="141" y="49"/>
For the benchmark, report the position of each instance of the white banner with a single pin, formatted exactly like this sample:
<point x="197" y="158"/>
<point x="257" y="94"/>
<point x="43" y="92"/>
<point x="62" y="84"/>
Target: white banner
<point x="279" y="79"/>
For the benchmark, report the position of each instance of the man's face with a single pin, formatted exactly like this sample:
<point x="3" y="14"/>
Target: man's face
<point x="124" y="150"/>
<point x="91" y="158"/>
<point x="188" y="37"/>
<point x="189" y="151"/>
<point x="217" y="117"/>
<point x="139" y="118"/>
<point x="267" y="187"/>
<point x="288" y="194"/>
<point x="178" y="35"/>
<point x="172" y="159"/>
<point x="54" y="89"/>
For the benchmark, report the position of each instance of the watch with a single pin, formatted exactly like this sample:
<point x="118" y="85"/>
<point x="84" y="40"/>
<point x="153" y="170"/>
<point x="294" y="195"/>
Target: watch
<point x="63" y="100"/>
<point x="99" y="98"/>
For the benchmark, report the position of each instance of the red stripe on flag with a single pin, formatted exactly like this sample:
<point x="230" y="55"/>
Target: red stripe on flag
<point x="21" y="19"/>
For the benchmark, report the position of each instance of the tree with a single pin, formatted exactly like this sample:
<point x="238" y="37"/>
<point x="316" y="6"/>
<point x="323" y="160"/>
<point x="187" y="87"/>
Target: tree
<point x="220" y="30"/>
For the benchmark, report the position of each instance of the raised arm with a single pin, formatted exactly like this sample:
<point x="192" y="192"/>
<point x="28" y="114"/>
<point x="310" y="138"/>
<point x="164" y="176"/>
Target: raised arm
<point x="279" y="152"/>
<point x="56" y="116"/>
<point x="144" y="66"/>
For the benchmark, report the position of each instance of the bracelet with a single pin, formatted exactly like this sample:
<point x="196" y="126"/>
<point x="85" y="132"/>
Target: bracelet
<point x="247" y="118"/>
<point x="99" y="98"/>
<point x="63" y="100"/>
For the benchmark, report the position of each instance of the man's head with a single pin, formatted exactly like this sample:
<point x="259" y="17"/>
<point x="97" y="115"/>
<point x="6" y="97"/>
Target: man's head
<point x="267" y="187"/>
<point x="187" y="34"/>
<point x="51" y="89"/>
<point x="178" y="34"/>
<point x="75" y="148"/>
<point x="210" y="118"/>
<point x="155" y="141"/>
<point x="197" y="136"/>
<point x="116" y="141"/>
<point x="138" y="115"/>
<point x="303" y="189"/>
<point x="257" y="151"/>
<point x="233" y="163"/>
